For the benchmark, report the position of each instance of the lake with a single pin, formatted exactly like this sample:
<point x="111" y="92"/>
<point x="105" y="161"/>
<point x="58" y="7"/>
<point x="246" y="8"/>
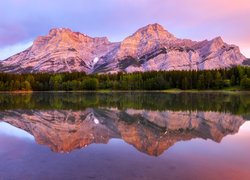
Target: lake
<point x="122" y="135"/>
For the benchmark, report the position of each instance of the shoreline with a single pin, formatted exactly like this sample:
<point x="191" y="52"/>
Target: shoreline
<point x="132" y="91"/>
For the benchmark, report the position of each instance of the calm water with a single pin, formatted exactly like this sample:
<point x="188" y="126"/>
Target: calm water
<point x="125" y="136"/>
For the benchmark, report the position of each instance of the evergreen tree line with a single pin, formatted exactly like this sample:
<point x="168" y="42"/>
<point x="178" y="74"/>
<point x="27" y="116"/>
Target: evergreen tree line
<point x="154" y="80"/>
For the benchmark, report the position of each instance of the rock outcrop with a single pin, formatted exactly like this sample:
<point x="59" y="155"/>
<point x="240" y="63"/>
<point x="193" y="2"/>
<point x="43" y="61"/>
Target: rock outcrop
<point x="151" y="132"/>
<point x="246" y="62"/>
<point x="149" y="48"/>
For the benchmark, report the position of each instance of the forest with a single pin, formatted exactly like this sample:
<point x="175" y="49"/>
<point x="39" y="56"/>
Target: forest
<point x="238" y="76"/>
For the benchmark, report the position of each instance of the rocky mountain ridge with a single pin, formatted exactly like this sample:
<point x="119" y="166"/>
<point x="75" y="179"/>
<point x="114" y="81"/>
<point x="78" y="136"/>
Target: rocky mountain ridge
<point x="150" y="48"/>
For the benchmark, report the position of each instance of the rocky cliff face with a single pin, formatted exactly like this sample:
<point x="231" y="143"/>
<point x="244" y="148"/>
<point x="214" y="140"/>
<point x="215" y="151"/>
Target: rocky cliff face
<point x="61" y="51"/>
<point x="149" y="48"/>
<point x="151" y="132"/>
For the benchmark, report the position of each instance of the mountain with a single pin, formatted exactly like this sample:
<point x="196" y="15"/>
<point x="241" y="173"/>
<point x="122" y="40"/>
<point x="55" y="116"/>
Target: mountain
<point x="246" y="62"/>
<point x="149" y="48"/>
<point x="150" y="132"/>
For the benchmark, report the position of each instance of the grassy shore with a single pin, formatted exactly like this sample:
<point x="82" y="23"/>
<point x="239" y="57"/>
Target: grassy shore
<point x="235" y="89"/>
<point x="225" y="90"/>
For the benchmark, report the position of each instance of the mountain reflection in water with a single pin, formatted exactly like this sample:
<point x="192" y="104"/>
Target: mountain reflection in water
<point x="151" y="132"/>
<point x="151" y="122"/>
<point x="194" y="135"/>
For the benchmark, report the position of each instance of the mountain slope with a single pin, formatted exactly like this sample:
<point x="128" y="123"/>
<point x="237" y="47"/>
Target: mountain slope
<point x="149" y="48"/>
<point x="61" y="51"/>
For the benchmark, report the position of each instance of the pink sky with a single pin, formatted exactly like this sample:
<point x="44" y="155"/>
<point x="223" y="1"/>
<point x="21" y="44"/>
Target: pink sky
<point x="194" y="19"/>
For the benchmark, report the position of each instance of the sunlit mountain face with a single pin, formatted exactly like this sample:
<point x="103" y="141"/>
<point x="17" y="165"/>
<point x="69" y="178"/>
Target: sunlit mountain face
<point x="150" y="48"/>
<point x="125" y="90"/>
<point x="150" y="122"/>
